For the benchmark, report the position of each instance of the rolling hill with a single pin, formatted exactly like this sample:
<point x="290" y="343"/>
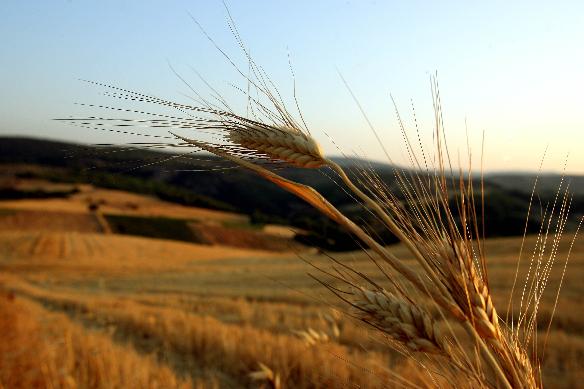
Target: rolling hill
<point x="207" y="182"/>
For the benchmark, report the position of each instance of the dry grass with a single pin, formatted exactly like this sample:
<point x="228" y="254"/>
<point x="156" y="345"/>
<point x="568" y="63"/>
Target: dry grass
<point x="190" y="342"/>
<point x="40" y="349"/>
<point x="114" y="202"/>
<point x="40" y="220"/>
<point x="224" y="317"/>
<point x="97" y="253"/>
<point x="438" y="311"/>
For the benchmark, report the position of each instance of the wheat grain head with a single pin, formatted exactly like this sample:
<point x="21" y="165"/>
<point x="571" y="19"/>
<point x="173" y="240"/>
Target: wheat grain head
<point x="403" y="321"/>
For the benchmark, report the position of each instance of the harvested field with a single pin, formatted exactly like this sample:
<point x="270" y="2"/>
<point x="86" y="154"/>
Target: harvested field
<point x="12" y="219"/>
<point x="95" y="210"/>
<point x="209" y="315"/>
<point x="45" y="349"/>
<point x="71" y="252"/>
<point x="180" y="314"/>
<point x="120" y="202"/>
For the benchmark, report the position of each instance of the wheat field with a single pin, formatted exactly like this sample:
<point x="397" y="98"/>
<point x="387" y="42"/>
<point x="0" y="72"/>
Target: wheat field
<point x="204" y="240"/>
<point x="94" y="310"/>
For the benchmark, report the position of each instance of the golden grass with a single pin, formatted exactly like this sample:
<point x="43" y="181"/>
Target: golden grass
<point x="117" y="202"/>
<point x="447" y="282"/>
<point x="40" y="220"/>
<point x="188" y="342"/>
<point x="221" y="322"/>
<point x="99" y="254"/>
<point x="40" y="349"/>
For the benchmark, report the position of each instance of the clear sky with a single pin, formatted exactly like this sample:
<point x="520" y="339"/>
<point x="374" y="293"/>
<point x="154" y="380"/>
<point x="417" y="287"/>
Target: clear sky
<point x="514" y="69"/>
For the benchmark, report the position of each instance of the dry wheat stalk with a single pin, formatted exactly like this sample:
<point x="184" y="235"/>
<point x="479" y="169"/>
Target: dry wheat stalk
<point x="403" y="321"/>
<point x="244" y="141"/>
<point x="451" y="275"/>
<point x="478" y="318"/>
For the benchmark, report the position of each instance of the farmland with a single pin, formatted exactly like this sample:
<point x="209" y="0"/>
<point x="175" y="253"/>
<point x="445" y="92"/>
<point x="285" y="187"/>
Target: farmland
<point x="87" y="307"/>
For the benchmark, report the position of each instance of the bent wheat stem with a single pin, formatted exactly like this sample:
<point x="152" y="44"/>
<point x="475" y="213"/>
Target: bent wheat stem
<point x="441" y="237"/>
<point x="475" y="332"/>
<point x="390" y="223"/>
<point x="314" y="198"/>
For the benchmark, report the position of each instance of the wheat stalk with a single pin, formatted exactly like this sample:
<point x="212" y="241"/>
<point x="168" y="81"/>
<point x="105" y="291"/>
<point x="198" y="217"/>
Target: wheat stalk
<point x="478" y="318"/>
<point x="451" y="274"/>
<point x="245" y="141"/>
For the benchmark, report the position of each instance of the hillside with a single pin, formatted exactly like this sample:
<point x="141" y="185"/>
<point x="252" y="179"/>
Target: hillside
<point x="83" y="208"/>
<point x="202" y="181"/>
<point x="102" y="287"/>
<point x="548" y="182"/>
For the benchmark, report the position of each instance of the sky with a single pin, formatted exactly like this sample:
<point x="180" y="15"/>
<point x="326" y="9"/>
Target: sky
<point x="511" y="71"/>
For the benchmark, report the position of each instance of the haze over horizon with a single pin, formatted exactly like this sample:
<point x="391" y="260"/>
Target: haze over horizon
<point x="513" y="71"/>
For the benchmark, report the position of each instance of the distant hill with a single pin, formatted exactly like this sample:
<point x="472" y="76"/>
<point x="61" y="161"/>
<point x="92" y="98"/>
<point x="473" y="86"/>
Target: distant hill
<point x="206" y="181"/>
<point x="546" y="182"/>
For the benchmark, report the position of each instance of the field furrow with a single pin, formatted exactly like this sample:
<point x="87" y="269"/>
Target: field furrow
<point x="41" y="349"/>
<point x="190" y="342"/>
<point x="84" y="309"/>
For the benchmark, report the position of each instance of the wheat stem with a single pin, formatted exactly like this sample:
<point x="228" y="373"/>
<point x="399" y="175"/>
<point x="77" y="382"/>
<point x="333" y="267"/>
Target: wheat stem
<point x="314" y="198"/>
<point x="390" y="223"/>
<point x="487" y="354"/>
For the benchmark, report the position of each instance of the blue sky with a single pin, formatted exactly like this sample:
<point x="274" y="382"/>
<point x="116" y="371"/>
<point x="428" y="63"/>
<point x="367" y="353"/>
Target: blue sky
<point x="511" y="69"/>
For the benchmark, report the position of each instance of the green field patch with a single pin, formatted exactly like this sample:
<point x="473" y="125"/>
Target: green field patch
<point x="152" y="227"/>
<point x="241" y="225"/>
<point x="6" y="212"/>
<point x="19" y="194"/>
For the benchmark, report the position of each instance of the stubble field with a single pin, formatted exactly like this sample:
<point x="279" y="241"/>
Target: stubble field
<point x="85" y="308"/>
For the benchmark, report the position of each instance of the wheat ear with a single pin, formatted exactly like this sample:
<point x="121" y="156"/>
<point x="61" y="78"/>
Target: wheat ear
<point x="472" y="294"/>
<point x="464" y="290"/>
<point x="403" y="321"/>
<point x="312" y="337"/>
<point x="280" y="143"/>
<point x="469" y="290"/>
